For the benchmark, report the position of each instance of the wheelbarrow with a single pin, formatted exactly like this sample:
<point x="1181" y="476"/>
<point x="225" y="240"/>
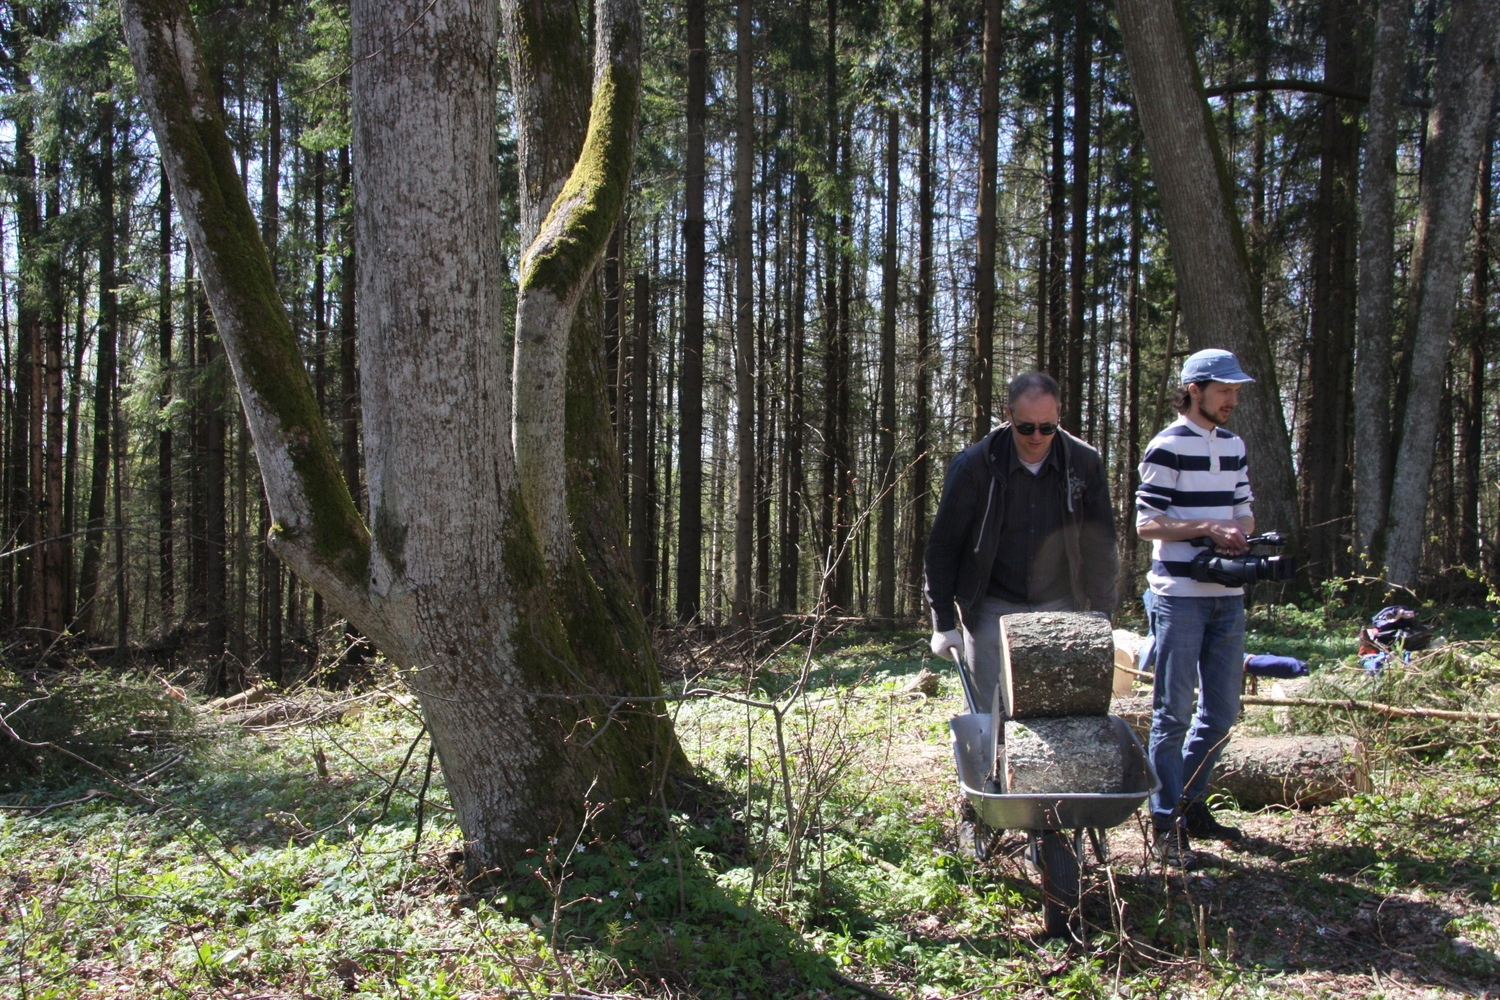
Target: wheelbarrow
<point x="1056" y="824"/>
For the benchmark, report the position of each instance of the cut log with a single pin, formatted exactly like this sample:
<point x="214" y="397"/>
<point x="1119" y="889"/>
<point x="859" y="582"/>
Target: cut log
<point x="1078" y="754"/>
<point x="1055" y="664"/>
<point x="1136" y="710"/>
<point x="1301" y="771"/>
<point x="1127" y="652"/>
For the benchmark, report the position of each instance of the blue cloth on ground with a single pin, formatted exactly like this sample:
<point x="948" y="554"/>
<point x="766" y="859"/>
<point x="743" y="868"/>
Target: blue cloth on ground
<point x="1263" y="665"/>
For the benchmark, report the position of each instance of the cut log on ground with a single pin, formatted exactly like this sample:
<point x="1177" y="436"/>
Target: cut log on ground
<point x="1056" y="664"/>
<point x="1301" y="771"/>
<point x="1127" y="652"/>
<point x="1078" y="754"/>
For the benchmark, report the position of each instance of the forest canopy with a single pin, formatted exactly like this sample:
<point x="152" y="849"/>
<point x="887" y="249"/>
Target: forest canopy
<point x="848" y="225"/>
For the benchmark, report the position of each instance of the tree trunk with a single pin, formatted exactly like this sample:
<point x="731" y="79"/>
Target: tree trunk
<point x="1325" y="424"/>
<point x="454" y="586"/>
<point x="164" y="549"/>
<point x="791" y="537"/>
<point x="1472" y="443"/>
<point x="642" y="472"/>
<point x="921" y="443"/>
<point x="348" y="378"/>
<point x="215" y="397"/>
<point x="1297" y="771"/>
<point x="1456" y="130"/>
<point x="22" y="500"/>
<point x="592" y="585"/>
<point x="1129" y="541"/>
<point x="890" y="276"/>
<point x="49" y="616"/>
<point x="1083" y="65"/>
<point x="1057" y="207"/>
<point x="690" y="388"/>
<point x="1377" y="277"/>
<point x="744" y="321"/>
<point x="1208" y="249"/>
<point x="984" y="279"/>
<point x="104" y="377"/>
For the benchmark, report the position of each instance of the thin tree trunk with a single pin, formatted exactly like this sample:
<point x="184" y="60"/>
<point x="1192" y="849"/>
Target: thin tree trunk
<point x="921" y="444"/>
<point x="1083" y="103"/>
<point x="348" y="377"/>
<point x="1456" y="130"/>
<point x="885" y="543"/>
<point x="215" y="577"/>
<point x="744" y="321"/>
<point x="690" y="391"/>
<point x="1208" y="249"/>
<point x="642" y="539"/>
<point x="54" y="572"/>
<point x="1472" y="446"/>
<point x="791" y="539"/>
<point x="1325" y="427"/>
<point x="104" y="378"/>
<point x="165" y="547"/>
<point x="1129" y="541"/>
<point x="1375" y="325"/>
<point x="24" y="484"/>
<point x="1057" y="205"/>
<point x="122" y="568"/>
<point x="984" y="281"/>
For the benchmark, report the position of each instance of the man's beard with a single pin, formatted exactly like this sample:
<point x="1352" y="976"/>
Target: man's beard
<point x="1212" y="418"/>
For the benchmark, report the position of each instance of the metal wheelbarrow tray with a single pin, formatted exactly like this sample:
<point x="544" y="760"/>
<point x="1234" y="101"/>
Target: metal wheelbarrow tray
<point x="973" y="749"/>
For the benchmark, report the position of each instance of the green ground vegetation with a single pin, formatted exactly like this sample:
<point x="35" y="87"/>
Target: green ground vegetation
<point x="299" y="846"/>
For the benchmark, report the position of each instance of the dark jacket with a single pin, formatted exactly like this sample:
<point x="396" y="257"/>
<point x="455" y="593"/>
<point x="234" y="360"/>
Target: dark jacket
<point x="966" y="531"/>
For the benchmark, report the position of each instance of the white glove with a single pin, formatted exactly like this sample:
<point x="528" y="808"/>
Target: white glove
<point x="942" y="642"/>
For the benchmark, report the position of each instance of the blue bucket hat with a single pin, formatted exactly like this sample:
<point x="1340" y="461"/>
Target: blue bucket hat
<point x="1213" y="365"/>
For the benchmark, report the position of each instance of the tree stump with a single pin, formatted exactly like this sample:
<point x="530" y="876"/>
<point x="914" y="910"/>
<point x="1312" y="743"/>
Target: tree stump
<point x="1078" y="754"/>
<point x="1055" y="664"/>
<point x="1300" y="771"/>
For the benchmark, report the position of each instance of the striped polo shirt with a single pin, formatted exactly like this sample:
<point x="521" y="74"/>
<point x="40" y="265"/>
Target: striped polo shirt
<point x="1189" y="473"/>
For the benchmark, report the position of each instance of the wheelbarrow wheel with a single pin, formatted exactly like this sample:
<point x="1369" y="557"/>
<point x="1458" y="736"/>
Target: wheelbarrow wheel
<point x="1058" y="858"/>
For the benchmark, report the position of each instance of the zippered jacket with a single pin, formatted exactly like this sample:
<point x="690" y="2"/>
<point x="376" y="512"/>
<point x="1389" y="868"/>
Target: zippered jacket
<point x="960" y="551"/>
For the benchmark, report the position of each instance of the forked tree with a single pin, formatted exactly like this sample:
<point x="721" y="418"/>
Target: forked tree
<point x="523" y="655"/>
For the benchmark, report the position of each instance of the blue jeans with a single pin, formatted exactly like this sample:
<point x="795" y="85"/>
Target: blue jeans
<point x="1200" y="641"/>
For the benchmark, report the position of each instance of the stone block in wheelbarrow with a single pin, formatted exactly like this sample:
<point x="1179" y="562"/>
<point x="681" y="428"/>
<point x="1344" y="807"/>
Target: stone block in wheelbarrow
<point x="1055" y="664"/>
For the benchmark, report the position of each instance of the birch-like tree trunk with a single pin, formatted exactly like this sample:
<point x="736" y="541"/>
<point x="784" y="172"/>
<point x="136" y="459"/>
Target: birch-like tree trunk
<point x="1377" y="278"/>
<point x="453" y="585"/>
<point x="1456" y="130"/>
<point x="1208" y="247"/>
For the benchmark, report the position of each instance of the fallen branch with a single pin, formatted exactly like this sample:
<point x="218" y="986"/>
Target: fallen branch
<point x="1379" y="708"/>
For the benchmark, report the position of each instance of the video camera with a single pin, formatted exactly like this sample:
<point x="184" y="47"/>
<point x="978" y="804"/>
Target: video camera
<point x="1209" y="566"/>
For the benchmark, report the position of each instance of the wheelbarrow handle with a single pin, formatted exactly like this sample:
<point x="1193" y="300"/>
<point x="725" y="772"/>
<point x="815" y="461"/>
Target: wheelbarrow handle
<point x="966" y="679"/>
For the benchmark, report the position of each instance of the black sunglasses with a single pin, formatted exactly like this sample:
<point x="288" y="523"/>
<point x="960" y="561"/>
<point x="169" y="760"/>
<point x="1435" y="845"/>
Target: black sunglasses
<point x="1027" y="430"/>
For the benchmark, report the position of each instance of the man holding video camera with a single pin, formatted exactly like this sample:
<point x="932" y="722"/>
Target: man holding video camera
<point x="1194" y="486"/>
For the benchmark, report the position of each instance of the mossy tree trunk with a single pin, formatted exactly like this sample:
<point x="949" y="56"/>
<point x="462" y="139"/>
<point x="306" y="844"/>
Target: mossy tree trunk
<point x="575" y="166"/>
<point x="453" y="586"/>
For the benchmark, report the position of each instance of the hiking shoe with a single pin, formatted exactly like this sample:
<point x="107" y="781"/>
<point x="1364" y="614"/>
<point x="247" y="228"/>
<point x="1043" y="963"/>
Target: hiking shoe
<point x="1169" y="845"/>
<point x="1201" y="823"/>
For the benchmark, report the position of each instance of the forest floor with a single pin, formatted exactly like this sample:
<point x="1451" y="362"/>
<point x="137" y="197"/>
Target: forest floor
<point x="296" y="848"/>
